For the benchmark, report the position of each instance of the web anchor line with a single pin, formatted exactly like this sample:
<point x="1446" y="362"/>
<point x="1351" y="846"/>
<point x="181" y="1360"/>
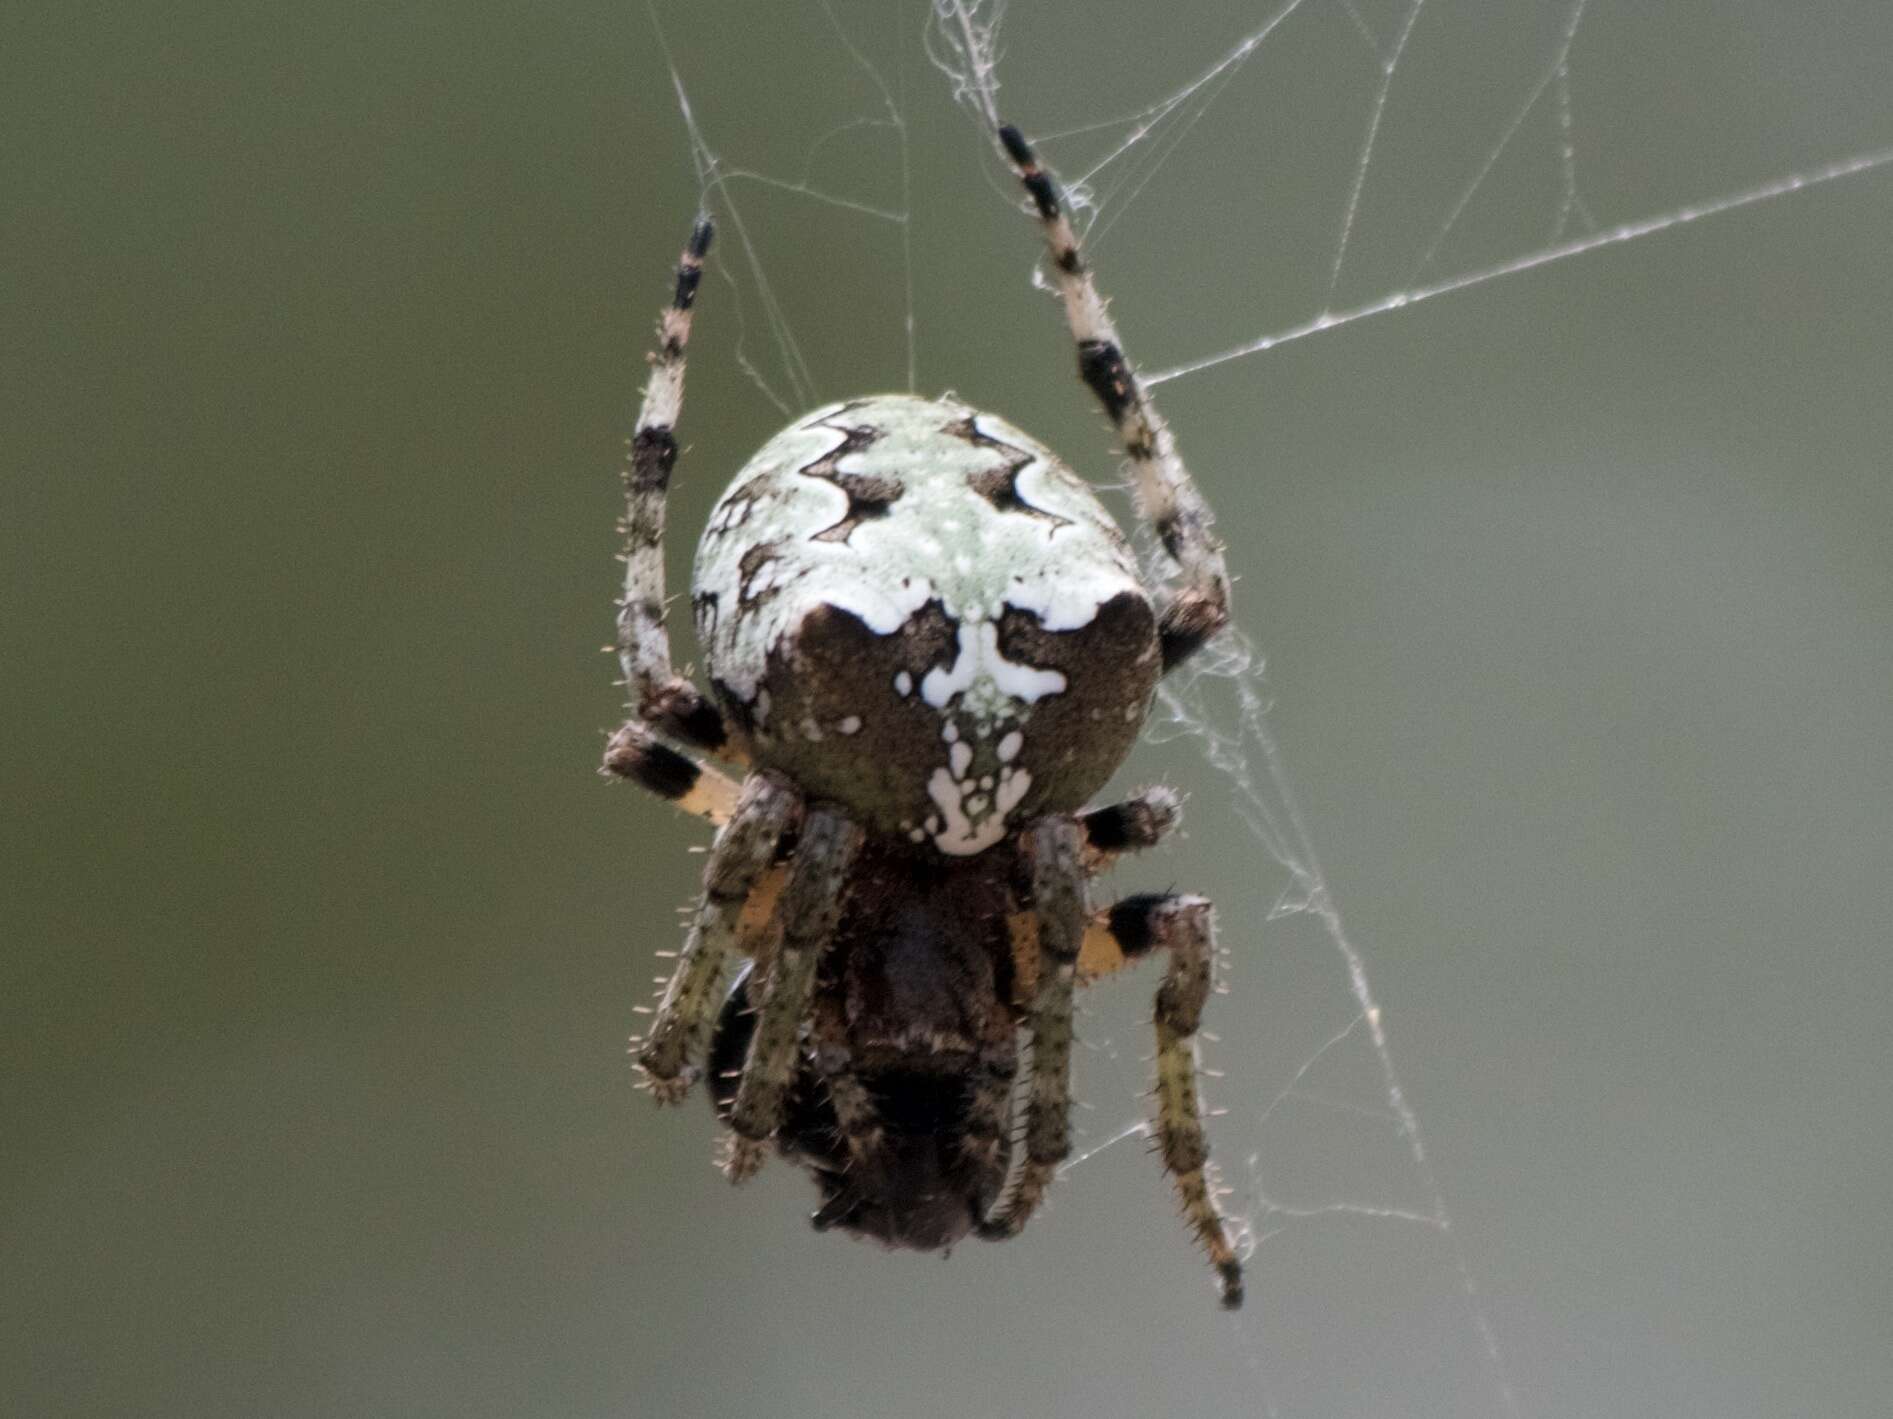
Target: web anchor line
<point x="1561" y="251"/>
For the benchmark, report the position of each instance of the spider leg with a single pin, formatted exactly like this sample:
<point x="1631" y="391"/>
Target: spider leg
<point x="739" y="865"/>
<point x="1059" y="909"/>
<point x="987" y="1134"/>
<point x="811" y="905"/>
<point x="1137" y="823"/>
<point x="1185" y="927"/>
<point x="855" y="1114"/>
<point x="661" y="698"/>
<point x="635" y="753"/>
<point x="1167" y="498"/>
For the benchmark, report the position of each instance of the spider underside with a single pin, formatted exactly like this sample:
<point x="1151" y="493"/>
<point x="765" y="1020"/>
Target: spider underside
<point x="928" y="645"/>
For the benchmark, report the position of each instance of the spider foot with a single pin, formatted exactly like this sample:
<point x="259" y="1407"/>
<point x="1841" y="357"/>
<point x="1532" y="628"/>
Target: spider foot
<point x="669" y="1090"/>
<point x="1230" y="1273"/>
<point x="743" y="1157"/>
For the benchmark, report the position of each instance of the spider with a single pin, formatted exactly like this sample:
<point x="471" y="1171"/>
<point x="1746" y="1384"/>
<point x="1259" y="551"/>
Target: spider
<point x="927" y="645"/>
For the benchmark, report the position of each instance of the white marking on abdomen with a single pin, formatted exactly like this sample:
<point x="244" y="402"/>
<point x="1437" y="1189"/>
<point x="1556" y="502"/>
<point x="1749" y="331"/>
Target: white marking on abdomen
<point x="981" y="657"/>
<point x="954" y="831"/>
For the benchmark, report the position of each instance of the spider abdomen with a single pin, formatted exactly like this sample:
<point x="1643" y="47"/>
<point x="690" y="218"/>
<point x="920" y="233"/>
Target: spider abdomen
<point x="917" y="611"/>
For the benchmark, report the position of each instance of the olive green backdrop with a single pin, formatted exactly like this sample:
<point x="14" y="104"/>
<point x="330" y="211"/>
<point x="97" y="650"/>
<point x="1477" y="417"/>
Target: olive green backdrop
<point x="322" y="328"/>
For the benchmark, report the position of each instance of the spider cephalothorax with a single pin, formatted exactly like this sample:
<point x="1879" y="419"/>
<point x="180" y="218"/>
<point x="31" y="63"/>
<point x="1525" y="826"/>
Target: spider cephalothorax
<point x="928" y="645"/>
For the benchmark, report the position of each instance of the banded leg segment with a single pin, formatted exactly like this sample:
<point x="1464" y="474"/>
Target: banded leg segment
<point x="1137" y="823"/>
<point x="1167" y="497"/>
<point x="1185" y="927"/>
<point x="1059" y="908"/>
<point x="740" y="859"/>
<point x="660" y="697"/>
<point x="639" y="756"/>
<point x="811" y="905"/>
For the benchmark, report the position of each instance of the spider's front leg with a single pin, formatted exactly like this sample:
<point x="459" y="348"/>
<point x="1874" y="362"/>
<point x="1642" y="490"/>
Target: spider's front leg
<point x="811" y="905"/>
<point x="662" y="699"/>
<point x="1167" y="498"/>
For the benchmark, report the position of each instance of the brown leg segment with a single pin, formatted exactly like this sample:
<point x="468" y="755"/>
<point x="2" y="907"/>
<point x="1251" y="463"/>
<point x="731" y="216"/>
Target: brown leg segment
<point x="740" y="859"/>
<point x="811" y="905"/>
<point x="855" y="1115"/>
<point x="1058" y="907"/>
<point x="1185" y="927"/>
<point x="988" y="1136"/>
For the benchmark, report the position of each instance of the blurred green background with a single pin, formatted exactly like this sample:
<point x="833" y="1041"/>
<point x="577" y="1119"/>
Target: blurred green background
<point x="323" y="326"/>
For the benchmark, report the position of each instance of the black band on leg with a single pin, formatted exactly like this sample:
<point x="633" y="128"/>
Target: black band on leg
<point x="682" y="712"/>
<point x="639" y="756"/>
<point x="1187" y="625"/>
<point x="1133" y="825"/>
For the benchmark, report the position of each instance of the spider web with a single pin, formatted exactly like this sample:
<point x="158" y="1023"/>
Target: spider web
<point x="1319" y="1141"/>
